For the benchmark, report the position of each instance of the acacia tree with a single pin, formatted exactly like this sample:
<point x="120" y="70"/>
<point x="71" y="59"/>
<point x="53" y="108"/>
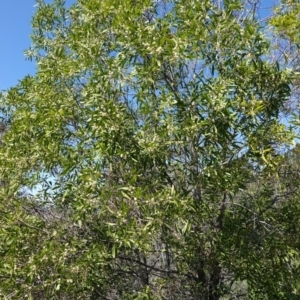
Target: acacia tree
<point x="135" y="157"/>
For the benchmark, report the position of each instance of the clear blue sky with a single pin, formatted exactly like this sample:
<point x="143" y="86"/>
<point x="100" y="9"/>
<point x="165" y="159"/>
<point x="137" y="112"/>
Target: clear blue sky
<point x="15" y="30"/>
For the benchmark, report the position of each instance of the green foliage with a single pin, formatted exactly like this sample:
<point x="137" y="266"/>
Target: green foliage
<point x="142" y="160"/>
<point x="286" y="21"/>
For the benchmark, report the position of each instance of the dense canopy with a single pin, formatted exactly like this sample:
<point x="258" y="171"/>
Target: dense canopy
<point x="150" y="156"/>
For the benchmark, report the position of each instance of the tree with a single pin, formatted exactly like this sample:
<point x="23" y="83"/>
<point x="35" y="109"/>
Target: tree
<point x="285" y="23"/>
<point x="140" y="160"/>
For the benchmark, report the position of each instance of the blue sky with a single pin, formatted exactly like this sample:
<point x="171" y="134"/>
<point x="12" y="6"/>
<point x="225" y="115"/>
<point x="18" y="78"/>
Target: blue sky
<point x="15" y="30"/>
